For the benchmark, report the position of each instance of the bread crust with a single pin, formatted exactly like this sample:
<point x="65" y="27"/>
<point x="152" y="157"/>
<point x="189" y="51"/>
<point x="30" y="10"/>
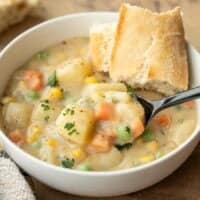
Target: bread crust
<point x="150" y="48"/>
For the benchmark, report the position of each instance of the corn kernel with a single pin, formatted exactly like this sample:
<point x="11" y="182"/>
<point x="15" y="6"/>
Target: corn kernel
<point x="32" y="137"/>
<point x="52" y="142"/>
<point x="78" y="154"/>
<point x="152" y="146"/>
<point x="36" y="129"/>
<point x="34" y="134"/>
<point x="56" y="93"/>
<point x="91" y="79"/>
<point x="7" y="100"/>
<point x="146" y="158"/>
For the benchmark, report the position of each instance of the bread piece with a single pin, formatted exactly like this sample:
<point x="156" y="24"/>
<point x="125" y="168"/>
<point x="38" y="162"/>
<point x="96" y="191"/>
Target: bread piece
<point x="13" y="11"/>
<point x="149" y="50"/>
<point x="101" y="43"/>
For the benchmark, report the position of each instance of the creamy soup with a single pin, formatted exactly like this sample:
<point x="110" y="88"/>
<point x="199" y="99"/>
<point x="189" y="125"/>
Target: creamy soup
<point x="58" y="110"/>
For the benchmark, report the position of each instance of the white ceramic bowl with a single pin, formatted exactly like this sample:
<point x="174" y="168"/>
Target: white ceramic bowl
<point x="77" y="182"/>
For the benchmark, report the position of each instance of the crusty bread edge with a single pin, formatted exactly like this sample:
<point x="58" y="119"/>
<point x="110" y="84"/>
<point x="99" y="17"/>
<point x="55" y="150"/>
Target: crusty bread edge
<point x="170" y="89"/>
<point x="123" y="10"/>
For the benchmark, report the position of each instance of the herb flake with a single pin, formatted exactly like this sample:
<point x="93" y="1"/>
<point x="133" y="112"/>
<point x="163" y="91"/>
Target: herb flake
<point x="69" y="111"/>
<point x="45" y="107"/>
<point x="52" y="80"/>
<point x="69" y="125"/>
<point x="45" y="104"/>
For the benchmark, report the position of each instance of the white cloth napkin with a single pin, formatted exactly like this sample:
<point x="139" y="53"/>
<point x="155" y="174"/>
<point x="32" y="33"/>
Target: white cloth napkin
<point x="12" y="184"/>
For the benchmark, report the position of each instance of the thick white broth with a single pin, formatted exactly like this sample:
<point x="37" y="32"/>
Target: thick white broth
<point x="60" y="123"/>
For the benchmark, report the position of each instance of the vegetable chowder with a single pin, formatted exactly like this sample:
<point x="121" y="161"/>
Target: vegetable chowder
<point x="58" y="110"/>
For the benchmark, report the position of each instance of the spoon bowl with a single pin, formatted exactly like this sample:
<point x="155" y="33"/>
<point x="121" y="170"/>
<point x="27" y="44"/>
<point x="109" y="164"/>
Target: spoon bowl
<point x="153" y="107"/>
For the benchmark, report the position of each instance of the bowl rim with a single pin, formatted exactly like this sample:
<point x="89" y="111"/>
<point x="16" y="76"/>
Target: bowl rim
<point x="119" y="172"/>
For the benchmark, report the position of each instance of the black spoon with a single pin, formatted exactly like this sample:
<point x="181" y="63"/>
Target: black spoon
<point x="153" y="107"/>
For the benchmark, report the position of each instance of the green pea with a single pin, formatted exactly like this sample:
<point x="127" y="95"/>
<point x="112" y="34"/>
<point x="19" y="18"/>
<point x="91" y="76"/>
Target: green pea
<point x="123" y="132"/>
<point x="148" y="136"/>
<point x="68" y="163"/>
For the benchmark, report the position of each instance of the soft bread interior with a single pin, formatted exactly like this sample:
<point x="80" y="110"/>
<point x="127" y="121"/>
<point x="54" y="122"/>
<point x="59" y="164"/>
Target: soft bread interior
<point x="101" y="44"/>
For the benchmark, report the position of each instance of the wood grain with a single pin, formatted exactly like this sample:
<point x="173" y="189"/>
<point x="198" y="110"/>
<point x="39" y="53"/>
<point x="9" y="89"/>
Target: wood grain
<point x="183" y="184"/>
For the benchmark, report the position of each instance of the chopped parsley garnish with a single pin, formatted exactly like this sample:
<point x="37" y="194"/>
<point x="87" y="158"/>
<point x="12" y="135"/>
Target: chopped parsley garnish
<point x="52" y="80"/>
<point x="71" y="128"/>
<point x="43" y="55"/>
<point x="73" y="131"/>
<point x="45" y="104"/>
<point x="68" y="111"/>
<point x="45" y="107"/>
<point x="69" y="125"/>
<point x="68" y="163"/>
<point x="33" y="95"/>
<point x="121" y="147"/>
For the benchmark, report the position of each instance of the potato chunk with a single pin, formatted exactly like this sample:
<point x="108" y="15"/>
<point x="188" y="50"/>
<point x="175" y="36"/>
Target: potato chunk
<point x="105" y="161"/>
<point x="17" y="115"/>
<point x="72" y="73"/>
<point x="47" y="154"/>
<point x="116" y="97"/>
<point x="46" y="111"/>
<point x="75" y="123"/>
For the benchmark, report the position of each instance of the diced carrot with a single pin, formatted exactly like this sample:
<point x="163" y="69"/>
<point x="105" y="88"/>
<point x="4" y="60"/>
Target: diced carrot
<point x="34" y="79"/>
<point x="101" y="143"/>
<point x="137" y="127"/>
<point x="17" y="137"/>
<point x="162" y="119"/>
<point x="189" y="104"/>
<point x="104" y="111"/>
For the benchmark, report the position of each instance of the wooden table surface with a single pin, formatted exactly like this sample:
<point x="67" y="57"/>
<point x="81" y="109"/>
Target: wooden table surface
<point x="184" y="184"/>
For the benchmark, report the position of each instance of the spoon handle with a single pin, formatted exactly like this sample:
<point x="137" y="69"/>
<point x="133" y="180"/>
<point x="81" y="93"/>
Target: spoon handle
<point x="181" y="97"/>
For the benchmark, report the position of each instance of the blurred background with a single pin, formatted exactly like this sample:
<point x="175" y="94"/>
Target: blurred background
<point x="184" y="183"/>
